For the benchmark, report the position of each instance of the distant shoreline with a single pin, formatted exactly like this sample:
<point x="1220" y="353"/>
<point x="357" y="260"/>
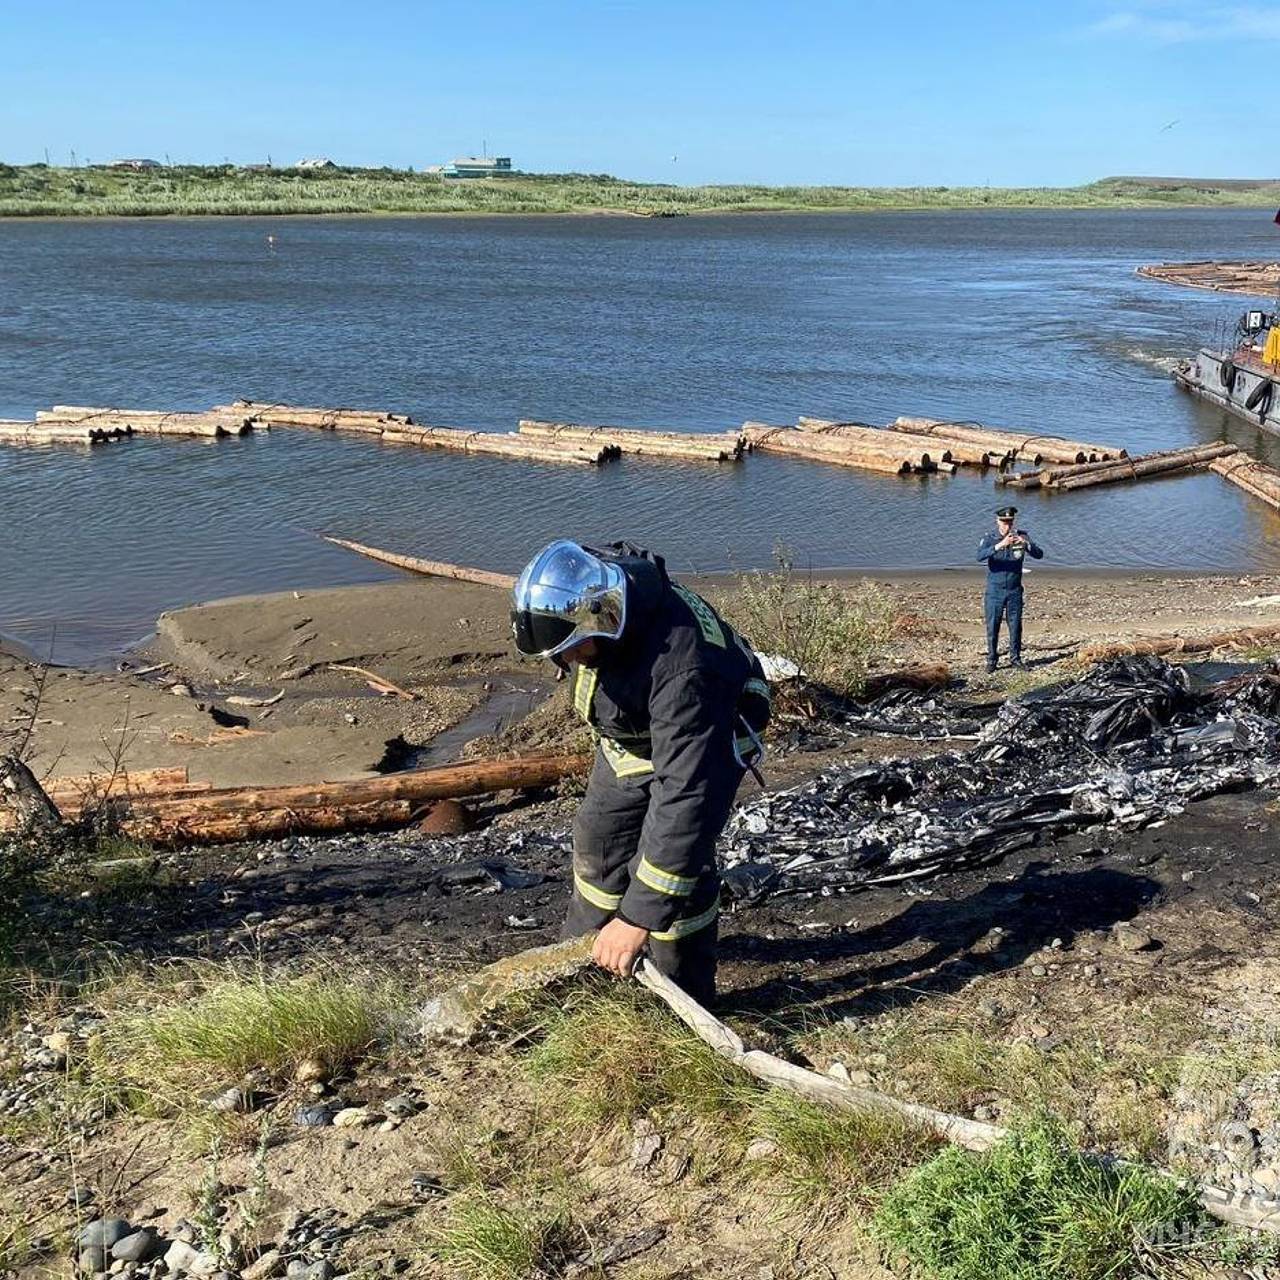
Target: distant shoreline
<point x="40" y="192"/>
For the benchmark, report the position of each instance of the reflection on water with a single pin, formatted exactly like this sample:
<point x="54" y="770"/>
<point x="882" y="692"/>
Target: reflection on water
<point x="1023" y="318"/>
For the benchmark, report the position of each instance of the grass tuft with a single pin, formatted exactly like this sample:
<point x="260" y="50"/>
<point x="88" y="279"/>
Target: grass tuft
<point x="613" y="1055"/>
<point x="231" y="1024"/>
<point x="1029" y="1209"/>
<point x="832" y="1162"/>
<point x="481" y="1239"/>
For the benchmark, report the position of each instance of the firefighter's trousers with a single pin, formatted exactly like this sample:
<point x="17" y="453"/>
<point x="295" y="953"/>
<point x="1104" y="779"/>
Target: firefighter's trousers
<point x="606" y="838"/>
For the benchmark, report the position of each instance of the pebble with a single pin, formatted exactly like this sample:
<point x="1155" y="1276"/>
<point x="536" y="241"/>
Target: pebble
<point x="180" y="1255"/>
<point x="313" y="1117"/>
<point x="141" y="1246"/>
<point x="1130" y="938"/>
<point x="103" y="1233"/>
<point x="762" y="1149"/>
<point x="647" y="1145"/>
<point x="355" y="1118"/>
<point x="264" y="1267"/>
<point x="233" y="1099"/>
<point x="1039" y="971"/>
<point x="93" y="1259"/>
<point x="402" y="1106"/>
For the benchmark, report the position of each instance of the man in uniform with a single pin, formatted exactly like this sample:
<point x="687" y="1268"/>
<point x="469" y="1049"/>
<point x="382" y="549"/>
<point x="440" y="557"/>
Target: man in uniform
<point x="676" y="701"/>
<point x="1004" y="550"/>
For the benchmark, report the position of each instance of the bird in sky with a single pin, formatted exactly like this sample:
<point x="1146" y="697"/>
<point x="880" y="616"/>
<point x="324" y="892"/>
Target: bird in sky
<point x="1169" y="126"/>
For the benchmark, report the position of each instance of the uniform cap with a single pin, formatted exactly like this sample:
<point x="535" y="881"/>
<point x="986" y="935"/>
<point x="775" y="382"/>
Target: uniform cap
<point x="1007" y="512"/>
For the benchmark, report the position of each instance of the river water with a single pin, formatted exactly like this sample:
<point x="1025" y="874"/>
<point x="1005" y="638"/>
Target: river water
<point x="1022" y="318"/>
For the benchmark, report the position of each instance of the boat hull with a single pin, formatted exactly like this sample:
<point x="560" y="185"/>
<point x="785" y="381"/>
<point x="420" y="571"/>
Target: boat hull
<point x="1244" y="393"/>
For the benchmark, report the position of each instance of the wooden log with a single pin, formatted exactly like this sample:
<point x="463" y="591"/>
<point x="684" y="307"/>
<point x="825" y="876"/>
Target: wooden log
<point x="601" y="447"/>
<point x="465" y="1012"/>
<point x="379" y="684"/>
<point x="241" y="813"/>
<point x="432" y="568"/>
<point x="1256" y="1212"/>
<point x="30" y="811"/>
<point x="33" y="433"/>
<point x="490" y="442"/>
<point x="131" y="781"/>
<point x="1143" y="466"/>
<point x="1037" y="448"/>
<point x="720" y="447"/>
<point x="940" y="448"/>
<point x="1239" y="637"/>
<point x="148" y="421"/>
<point x="789" y="442"/>
<point x="931" y="675"/>
<point x="1255" y="478"/>
<point x="1049" y="477"/>
<point x="921" y="457"/>
<point x="369" y="421"/>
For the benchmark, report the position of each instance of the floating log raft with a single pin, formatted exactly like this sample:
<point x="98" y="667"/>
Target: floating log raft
<point x="688" y="445"/>
<point x="791" y="442"/>
<point x="939" y="448"/>
<point x="1087" y="474"/>
<point x="507" y="445"/>
<point x="1255" y="478"/>
<point x="432" y="568"/>
<point x="391" y="800"/>
<point x="31" y="433"/>
<point x="1034" y="448"/>
<point x="1258" y="279"/>
<point x="147" y="421"/>
<point x="367" y="421"/>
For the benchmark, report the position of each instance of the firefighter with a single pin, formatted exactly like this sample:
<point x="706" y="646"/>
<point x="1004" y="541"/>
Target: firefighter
<point x="1004" y="550"/>
<point x="676" y="702"/>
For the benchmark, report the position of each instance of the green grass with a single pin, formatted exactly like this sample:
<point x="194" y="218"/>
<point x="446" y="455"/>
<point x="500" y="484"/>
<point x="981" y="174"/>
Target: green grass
<point x="482" y="1239"/>
<point x="1029" y="1209"/>
<point x="1110" y="1090"/>
<point x="613" y="1055"/>
<point x="833" y="1162"/>
<point x="219" y="1025"/>
<point x="44" y="191"/>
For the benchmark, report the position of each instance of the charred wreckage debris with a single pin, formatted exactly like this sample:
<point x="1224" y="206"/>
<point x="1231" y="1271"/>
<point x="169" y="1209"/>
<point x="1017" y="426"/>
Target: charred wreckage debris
<point x="1129" y="743"/>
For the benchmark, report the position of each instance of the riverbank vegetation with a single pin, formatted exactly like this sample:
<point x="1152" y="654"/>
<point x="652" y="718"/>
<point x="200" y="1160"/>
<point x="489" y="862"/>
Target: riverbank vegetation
<point x="206" y="190"/>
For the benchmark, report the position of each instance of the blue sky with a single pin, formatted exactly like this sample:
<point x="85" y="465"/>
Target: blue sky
<point x="864" y="92"/>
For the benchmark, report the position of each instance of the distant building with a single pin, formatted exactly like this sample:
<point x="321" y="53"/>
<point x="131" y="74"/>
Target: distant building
<point x="256" y="168"/>
<point x="134" y="164"/>
<point x="315" y="162"/>
<point x="477" y="167"/>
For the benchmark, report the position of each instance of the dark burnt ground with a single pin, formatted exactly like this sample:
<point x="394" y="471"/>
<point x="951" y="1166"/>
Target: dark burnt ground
<point x="1201" y="884"/>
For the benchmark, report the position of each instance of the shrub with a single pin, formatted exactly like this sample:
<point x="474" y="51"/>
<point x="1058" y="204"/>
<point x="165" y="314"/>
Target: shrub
<point x="833" y="632"/>
<point x="1031" y="1208"/>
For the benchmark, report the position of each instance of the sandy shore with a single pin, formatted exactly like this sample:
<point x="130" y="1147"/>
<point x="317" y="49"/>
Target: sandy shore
<point x="172" y="703"/>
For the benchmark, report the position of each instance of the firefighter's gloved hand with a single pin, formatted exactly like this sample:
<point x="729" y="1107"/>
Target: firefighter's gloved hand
<point x="618" y="945"/>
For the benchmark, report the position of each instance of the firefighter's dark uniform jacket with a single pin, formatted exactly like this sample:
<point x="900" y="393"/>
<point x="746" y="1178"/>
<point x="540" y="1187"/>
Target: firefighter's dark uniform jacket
<point x="664" y="704"/>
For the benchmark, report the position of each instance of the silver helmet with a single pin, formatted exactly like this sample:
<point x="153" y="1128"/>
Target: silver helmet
<point x="566" y="595"/>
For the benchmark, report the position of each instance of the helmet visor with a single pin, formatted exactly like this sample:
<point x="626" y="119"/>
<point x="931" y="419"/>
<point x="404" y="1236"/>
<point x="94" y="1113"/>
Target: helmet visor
<point x="540" y="634"/>
<point x="566" y="595"/>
